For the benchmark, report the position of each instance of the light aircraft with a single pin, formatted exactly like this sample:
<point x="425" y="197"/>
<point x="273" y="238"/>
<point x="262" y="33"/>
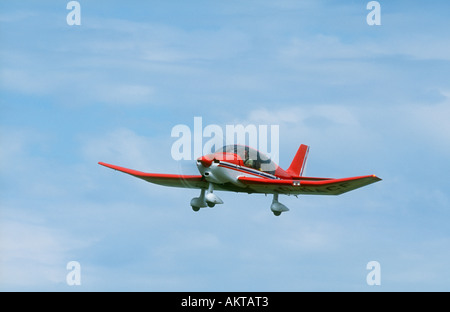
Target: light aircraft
<point x="239" y="168"/>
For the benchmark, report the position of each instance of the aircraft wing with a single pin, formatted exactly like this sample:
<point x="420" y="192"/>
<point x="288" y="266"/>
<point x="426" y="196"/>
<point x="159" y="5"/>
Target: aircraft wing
<point x="314" y="186"/>
<point x="175" y="180"/>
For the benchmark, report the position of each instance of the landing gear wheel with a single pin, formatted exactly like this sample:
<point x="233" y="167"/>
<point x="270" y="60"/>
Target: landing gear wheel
<point x="210" y="205"/>
<point x="195" y="208"/>
<point x="277" y="213"/>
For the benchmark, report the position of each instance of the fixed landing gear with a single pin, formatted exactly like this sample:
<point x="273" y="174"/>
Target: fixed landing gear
<point x="208" y="200"/>
<point x="198" y="202"/>
<point x="277" y="207"/>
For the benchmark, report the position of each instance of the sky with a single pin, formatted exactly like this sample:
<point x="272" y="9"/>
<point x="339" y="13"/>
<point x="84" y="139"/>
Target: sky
<point x="366" y="99"/>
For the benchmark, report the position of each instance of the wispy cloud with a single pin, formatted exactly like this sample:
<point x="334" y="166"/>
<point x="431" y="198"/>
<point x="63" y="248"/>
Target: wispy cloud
<point x="34" y="255"/>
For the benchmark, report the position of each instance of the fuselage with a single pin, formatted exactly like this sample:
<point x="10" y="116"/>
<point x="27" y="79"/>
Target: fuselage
<point x="226" y="167"/>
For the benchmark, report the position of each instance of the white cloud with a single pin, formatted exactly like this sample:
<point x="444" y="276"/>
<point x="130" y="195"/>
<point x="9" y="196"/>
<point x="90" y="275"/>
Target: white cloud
<point x="16" y="146"/>
<point x="124" y="94"/>
<point x="334" y="114"/>
<point x="322" y="47"/>
<point x="327" y="124"/>
<point x="77" y="87"/>
<point x="124" y="146"/>
<point x="430" y="122"/>
<point x="121" y="145"/>
<point x="27" y="82"/>
<point x="85" y="72"/>
<point x="33" y="255"/>
<point x="16" y="16"/>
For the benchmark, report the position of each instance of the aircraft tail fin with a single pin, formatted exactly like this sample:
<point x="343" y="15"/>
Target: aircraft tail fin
<point x="298" y="163"/>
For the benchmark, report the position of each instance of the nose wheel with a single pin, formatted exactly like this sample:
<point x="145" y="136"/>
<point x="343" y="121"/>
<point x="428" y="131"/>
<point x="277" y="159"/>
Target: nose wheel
<point x="206" y="199"/>
<point x="198" y="202"/>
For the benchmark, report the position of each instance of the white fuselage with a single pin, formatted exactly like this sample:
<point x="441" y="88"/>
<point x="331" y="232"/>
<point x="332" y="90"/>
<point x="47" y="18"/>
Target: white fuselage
<point x="225" y="172"/>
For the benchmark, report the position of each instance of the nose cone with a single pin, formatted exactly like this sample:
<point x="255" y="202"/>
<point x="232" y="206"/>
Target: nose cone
<point x="205" y="161"/>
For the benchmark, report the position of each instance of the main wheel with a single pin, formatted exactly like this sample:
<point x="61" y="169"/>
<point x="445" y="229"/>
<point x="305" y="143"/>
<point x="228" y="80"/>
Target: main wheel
<point x="277" y="213"/>
<point x="195" y="208"/>
<point x="210" y="205"/>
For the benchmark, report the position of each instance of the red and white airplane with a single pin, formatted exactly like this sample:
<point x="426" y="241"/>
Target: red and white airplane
<point x="240" y="168"/>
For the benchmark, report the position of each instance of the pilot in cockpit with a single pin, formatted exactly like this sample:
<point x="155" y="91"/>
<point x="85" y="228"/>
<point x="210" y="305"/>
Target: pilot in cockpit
<point x="252" y="163"/>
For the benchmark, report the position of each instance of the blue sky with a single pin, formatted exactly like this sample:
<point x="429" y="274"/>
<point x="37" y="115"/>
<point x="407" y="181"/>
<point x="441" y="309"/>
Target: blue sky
<point x="367" y="99"/>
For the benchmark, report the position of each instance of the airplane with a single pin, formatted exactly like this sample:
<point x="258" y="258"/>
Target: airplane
<point x="240" y="168"/>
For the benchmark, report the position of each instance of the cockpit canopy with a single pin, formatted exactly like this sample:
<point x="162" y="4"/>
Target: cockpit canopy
<point x="251" y="157"/>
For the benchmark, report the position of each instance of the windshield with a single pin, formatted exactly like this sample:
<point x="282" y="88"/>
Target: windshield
<point x="252" y="158"/>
